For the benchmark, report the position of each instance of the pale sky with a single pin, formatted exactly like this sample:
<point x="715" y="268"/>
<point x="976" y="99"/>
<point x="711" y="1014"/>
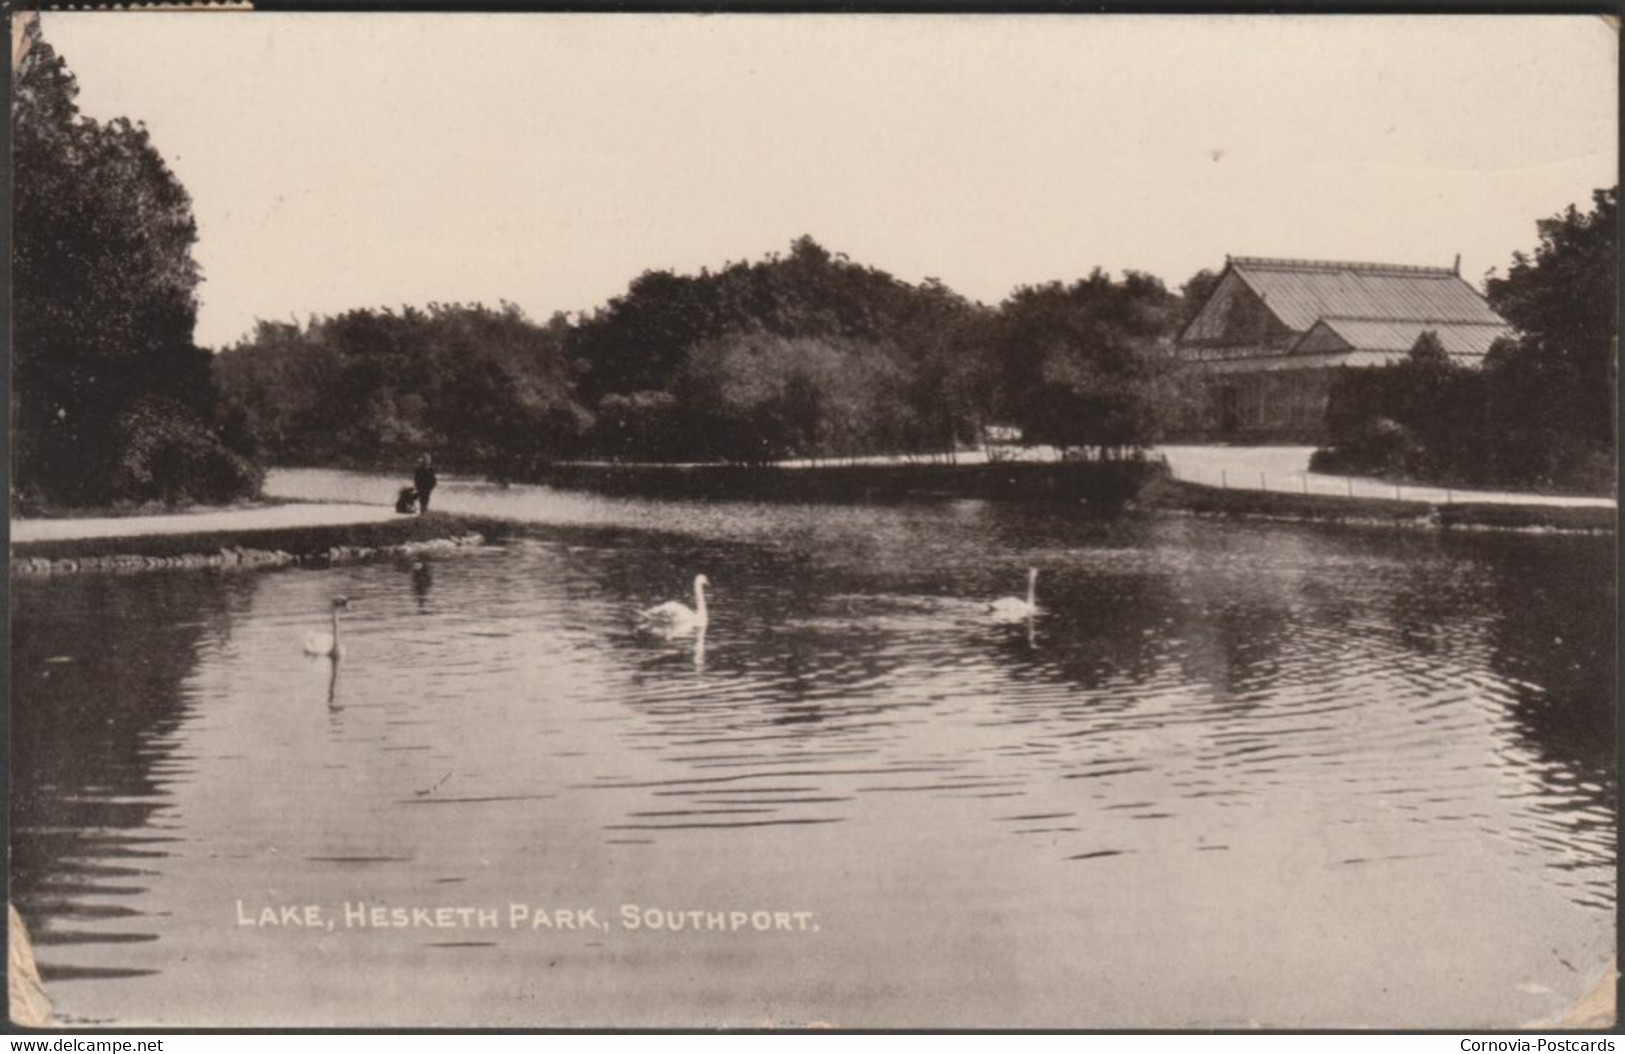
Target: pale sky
<point x="357" y="160"/>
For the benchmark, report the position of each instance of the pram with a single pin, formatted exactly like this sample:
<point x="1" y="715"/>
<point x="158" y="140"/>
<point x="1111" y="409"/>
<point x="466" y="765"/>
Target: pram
<point x="407" y="500"/>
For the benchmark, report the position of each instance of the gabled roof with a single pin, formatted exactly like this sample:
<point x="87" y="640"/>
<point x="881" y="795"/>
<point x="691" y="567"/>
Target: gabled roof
<point x="1363" y="334"/>
<point x="1301" y="292"/>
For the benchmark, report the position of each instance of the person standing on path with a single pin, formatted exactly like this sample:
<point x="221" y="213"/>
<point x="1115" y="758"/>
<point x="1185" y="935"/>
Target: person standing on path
<point x="424" y="480"/>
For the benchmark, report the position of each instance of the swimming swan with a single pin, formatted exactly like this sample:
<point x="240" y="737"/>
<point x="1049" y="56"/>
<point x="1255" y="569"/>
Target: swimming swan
<point x="318" y="643"/>
<point x="1014" y="609"/>
<point x="673" y="618"/>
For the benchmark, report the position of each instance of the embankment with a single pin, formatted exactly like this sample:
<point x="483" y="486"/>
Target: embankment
<point x="314" y="545"/>
<point x="1196" y="498"/>
<point x="1102" y="482"/>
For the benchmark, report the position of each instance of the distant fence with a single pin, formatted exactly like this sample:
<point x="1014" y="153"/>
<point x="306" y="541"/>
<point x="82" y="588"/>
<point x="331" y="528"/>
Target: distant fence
<point x="1313" y="484"/>
<point x="1338" y="507"/>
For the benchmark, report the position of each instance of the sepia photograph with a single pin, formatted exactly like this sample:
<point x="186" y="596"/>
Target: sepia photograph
<point x="834" y="521"/>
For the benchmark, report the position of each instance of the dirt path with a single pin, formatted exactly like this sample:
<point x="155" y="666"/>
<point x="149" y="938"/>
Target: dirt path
<point x="1286" y="468"/>
<point x="209" y="521"/>
<point x="1282" y="468"/>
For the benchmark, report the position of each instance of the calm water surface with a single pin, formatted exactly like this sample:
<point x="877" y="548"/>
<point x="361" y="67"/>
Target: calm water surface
<point x="1233" y="773"/>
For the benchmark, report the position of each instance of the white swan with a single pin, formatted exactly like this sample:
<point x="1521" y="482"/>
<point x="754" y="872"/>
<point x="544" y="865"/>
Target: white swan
<point x="1014" y="609"/>
<point x="673" y="618"/>
<point x="318" y="643"/>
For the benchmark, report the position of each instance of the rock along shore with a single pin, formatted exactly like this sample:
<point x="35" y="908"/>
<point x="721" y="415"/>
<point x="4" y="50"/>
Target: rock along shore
<point x="306" y="546"/>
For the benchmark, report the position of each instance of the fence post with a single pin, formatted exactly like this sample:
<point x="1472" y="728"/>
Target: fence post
<point x="1306" y="483"/>
<point x="1224" y="479"/>
<point x="1396" y="493"/>
<point x="1449" y="499"/>
<point x="1262" y="485"/>
<point x="1350" y="480"/>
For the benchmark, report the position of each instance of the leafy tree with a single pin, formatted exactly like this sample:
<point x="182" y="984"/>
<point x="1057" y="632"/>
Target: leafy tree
<point x="642" y="345"/>
<point x="637" y="342"/>
<point x="757" y="397"/>
<point x="486" y="389"/>
<point x="637" y="426"/>
<point x="1194" y="294"/>
<point x="1564" y="303"/>
<point x="104" y="293"/>
<point x="942" y="340"/>
<point x="1414" y="418"/>
<point x="1079" y="364"/>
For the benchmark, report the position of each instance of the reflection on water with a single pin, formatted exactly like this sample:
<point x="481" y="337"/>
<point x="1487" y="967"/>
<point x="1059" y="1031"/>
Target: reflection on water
<point x="1231" y="772"/>
<point x="422" y="580"/>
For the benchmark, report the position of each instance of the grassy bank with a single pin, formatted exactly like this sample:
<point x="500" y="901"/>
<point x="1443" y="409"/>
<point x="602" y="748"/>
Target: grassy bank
<point x="1103" y="482"/>
<point x="1194" y="497"/>
<point x="255" y="547"/>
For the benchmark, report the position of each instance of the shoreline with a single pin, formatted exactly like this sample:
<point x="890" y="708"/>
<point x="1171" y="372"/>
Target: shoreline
<point x="1108" y="483"/>
<point x="228" y="548"/>
<point x="1111" y="484"/>
<point x="234" y="546"/>
<point x="1182" y="496"/>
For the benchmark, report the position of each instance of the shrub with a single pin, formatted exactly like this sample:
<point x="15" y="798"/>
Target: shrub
<point x="1378" y="446"/>
<point x="165" y="452"/>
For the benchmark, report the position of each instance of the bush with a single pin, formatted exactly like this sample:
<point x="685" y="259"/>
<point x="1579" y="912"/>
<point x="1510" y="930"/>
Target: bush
<point x="166" y="453"/>
<point x="1379" y="446"/>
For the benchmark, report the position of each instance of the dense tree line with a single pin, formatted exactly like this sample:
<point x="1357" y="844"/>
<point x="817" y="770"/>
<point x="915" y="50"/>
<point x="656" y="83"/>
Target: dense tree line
<point x="801" y="355"/>
<point x="805" y="355"/>
<point x="486" y="389"/>
<point x="1539" y="414"/>
<point x="111" y="399"/>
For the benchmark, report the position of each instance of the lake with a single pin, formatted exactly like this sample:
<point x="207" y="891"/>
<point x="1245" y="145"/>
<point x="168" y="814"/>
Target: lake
<point x="1234" y="773"/>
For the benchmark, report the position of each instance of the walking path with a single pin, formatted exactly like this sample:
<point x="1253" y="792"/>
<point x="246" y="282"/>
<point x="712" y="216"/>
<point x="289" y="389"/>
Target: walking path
<point x="254" y="518"/>
<point x="1271" y="468"/>
<point x="1286" y="469"/>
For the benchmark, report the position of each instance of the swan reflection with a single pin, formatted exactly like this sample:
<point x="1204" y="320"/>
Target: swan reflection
<point x="333" y="684"/>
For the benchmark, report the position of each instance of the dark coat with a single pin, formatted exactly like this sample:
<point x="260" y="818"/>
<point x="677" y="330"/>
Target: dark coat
<point x="424" y="479"/>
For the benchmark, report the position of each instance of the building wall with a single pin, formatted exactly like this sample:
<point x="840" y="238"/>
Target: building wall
<point x="1231" y="402"/>
<point x="1263" y="406"/>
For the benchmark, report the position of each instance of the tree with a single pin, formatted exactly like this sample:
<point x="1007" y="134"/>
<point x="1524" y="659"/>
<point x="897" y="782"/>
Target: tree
<point x="1564" y="303"/>
<point x="637" y="426"/>
<point x="648" y="355"/>
<point x="757" y="397"/>
<point x="1417" y="418"/>
<point x="1193" y="295"/>
<point x="104" y="297"/>
<point x="943" y="344"/>
<point x="637" y="342"/>
<point x="1079" y="364"/>
<point x="487" y="389"/>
